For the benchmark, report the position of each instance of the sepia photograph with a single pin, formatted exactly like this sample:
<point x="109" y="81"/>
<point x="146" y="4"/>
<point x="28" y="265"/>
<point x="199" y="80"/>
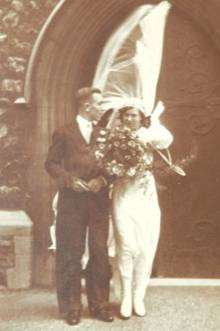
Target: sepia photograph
<point x="110" y="165"/>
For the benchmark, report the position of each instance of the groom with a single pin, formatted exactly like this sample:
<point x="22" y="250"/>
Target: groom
<point x="83" y="203"/>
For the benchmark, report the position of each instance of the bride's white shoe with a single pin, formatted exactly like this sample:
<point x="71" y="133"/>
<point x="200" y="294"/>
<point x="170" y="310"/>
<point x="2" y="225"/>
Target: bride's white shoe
<point x="126" y="302"/>
<point x="139" y="306"/>
<point x="139" y="290"/>
<point x="126" y="307"/>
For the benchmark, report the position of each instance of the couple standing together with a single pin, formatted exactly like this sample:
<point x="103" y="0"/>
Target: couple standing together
<point x="84" y="203"/>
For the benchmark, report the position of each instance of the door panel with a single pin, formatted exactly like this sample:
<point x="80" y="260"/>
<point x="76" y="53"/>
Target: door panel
<point x="189" y="86"/>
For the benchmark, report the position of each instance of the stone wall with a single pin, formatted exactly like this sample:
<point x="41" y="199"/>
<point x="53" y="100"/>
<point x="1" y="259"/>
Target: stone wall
<point x="20" y="23"/>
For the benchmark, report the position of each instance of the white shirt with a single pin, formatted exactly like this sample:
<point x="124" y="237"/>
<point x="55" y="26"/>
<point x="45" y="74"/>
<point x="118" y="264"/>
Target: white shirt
<point x="85" y="127"/>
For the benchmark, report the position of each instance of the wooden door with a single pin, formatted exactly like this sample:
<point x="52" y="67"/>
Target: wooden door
<point x="190" y="88"/>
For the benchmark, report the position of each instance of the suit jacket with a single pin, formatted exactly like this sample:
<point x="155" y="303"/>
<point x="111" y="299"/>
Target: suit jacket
<point x="70" y="156"/>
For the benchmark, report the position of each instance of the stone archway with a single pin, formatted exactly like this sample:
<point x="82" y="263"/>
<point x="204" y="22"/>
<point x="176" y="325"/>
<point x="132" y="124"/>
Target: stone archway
<point x="63" y="59"/>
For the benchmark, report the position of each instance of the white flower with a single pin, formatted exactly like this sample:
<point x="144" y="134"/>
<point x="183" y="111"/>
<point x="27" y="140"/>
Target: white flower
<point x="101" y="140"/>
<point x="131" y="143"/>
<point x="145" y="157"/>
<point x="131" y="172"/>
<point x="98" y="155"/>
<point x="118" y="170"/>
<point x="103" y="132"/>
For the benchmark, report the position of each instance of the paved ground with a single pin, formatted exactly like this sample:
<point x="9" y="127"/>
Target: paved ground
<point x="168" y="309"/>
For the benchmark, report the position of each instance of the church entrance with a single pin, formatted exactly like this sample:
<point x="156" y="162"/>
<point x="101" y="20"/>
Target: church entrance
<point x="65" y="58"/>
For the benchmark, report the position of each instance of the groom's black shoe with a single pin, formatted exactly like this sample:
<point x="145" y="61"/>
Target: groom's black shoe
<point x="73" y="317"/>
<point x="102" y="314"/>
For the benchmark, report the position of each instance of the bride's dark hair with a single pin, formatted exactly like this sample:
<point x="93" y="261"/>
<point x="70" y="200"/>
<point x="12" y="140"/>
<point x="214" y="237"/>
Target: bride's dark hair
<point x="145" y="120"/>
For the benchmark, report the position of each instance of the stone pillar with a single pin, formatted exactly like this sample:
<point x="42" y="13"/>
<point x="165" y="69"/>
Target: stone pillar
<point x="16" y="248"/>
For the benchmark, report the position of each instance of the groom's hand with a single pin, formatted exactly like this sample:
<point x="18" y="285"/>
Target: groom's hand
<point x="96" y="184"/>
<point x="79" y="185"/>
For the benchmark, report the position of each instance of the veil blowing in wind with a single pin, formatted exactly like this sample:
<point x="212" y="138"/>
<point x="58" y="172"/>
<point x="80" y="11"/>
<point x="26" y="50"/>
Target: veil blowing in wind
<point x="131" y="61"/>
<point x="129" y="68"/>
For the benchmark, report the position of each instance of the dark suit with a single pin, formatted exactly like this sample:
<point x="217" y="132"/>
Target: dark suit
<point x="68" y="156"/>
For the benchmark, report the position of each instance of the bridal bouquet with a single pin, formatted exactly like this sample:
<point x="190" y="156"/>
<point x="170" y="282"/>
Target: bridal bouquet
<point x="121" y="153"/>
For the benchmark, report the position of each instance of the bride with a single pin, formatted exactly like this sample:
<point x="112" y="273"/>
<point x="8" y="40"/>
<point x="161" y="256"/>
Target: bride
<point x="128" y="73"/>
<point x="136" y="214"/>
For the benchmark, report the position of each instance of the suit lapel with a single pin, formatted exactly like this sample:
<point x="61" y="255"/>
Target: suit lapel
<point x="78" y="135"/>
<point x="95" y="134"/>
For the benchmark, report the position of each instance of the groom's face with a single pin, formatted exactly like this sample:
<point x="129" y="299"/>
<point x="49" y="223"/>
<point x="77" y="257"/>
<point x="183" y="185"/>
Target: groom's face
<point x="95" y="106"/>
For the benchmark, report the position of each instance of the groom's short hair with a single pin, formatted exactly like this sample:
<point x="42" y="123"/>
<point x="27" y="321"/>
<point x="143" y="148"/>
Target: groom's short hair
<point x="84" y="94"/>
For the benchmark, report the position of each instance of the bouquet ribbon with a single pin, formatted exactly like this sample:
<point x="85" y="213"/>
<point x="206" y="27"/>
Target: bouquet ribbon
<point x="168" y="160"/>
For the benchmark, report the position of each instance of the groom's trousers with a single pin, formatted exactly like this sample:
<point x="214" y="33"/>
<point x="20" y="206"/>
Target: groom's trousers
<point x="76" y="212"/>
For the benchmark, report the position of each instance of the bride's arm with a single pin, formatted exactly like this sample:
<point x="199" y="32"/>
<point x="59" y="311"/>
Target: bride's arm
<point x="159" y="137"/>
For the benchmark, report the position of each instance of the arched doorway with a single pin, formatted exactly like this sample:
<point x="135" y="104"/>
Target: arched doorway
<point x="64" y="58"/>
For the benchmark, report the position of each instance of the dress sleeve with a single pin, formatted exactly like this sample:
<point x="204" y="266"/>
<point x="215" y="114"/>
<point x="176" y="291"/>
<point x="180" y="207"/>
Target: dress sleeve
<point x="159" y="137"/>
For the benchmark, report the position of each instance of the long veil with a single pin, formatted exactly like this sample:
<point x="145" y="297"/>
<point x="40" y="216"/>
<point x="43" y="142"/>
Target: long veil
<point x="129" y="67"/>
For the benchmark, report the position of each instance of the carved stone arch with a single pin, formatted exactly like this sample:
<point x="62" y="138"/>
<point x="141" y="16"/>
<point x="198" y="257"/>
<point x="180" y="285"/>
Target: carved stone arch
<point x="63" y="59"/>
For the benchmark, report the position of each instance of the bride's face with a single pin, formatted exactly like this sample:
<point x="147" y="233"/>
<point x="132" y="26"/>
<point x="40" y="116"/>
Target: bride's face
<point x="132" y="119"/>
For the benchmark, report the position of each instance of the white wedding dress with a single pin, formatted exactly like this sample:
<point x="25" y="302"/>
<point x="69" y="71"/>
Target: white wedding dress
<point x="136" y="218"/>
